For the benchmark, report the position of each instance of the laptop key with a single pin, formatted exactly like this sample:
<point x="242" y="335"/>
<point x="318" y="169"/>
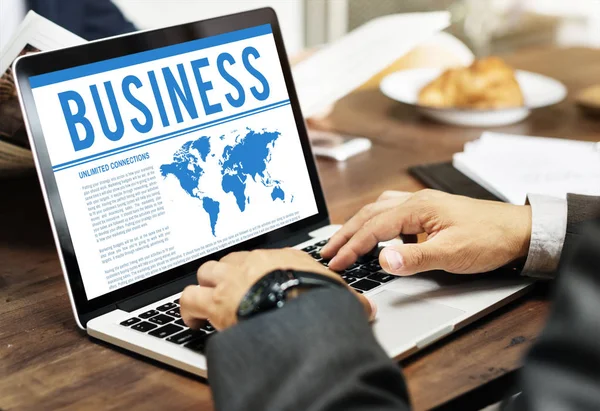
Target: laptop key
<point x="148" y="314"/>
<point x="165" y="330"/>
<point x="348" y="280"/>
<point x="381" y="277"/>
<point x="373" y="267"/>
<point x="186" y="336"/>
<point x="131" y="321"/>
<point x="166" y="307"/>
<point x="371" y="256"/>
<point x="207" y="327"/>
<point x="347" y="270"/>
<point x="174" y="312"/>
<point x="161" y="319"/>
<point x="366" y="259"/>
<point x="309" y="249"/>
<point x="321" y="243"/>
<point x="180" y="322"/>
<point x="365" y="285"/>
<point x="358" y="273"/>
<point x="199" y="344"/>
<point x="144" y="326"/>
<point x="176" y="301"/>
<point x="316" y="255"/>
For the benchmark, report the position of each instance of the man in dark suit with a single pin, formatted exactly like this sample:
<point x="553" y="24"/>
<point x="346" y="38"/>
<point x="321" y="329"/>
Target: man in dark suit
<point x="90" y="19"/>
<point x="316" y="350"/>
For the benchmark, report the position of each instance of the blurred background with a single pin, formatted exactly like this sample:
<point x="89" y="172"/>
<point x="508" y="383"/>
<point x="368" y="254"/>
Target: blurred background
<point x="486" y="26"/>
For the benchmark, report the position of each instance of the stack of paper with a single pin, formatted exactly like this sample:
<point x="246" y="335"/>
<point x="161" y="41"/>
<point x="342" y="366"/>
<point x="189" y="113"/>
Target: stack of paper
<point x="512" y="166"/>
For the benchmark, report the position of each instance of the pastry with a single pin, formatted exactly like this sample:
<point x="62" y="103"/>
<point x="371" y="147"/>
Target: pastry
<point x="486" y="84"/>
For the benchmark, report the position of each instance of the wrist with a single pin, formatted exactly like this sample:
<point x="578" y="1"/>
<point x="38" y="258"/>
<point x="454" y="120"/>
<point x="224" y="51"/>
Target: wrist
<point x="523" y="230"/>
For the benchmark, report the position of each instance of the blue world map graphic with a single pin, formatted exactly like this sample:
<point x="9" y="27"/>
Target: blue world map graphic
<point x="247" y="158"/>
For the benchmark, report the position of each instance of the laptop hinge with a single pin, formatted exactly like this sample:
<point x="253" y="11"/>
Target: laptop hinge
<point x="141" y="300"/>
<point x="295" y="239"/>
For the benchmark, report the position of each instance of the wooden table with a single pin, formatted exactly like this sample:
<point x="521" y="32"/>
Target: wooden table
<point x="47" y="363"/>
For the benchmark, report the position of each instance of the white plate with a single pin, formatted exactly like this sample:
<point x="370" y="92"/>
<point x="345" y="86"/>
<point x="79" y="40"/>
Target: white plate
<point x="538" y="91"/>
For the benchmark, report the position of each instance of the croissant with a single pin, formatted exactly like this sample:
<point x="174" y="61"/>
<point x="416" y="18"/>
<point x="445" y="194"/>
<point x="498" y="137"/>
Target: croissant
<point x="488" y="83"/>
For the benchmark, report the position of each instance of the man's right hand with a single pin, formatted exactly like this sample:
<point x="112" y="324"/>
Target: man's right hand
<point x="464" y="235"/>
<point x="222" y="284"/>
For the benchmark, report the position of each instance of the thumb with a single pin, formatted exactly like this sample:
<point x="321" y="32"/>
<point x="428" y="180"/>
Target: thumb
<point x="409" y="259"/>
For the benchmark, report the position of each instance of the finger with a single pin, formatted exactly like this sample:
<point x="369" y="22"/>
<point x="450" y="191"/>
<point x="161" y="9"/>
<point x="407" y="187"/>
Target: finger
<point x="212" y="273"/>
<point x="382" y="227"/>
<point x="344" y="234"/>
<point x="201" y="273"/>
<point x="196" y="305"/>
<point x="409" y="259"/>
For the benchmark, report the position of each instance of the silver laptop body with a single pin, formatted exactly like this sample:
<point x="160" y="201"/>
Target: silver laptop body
<point x="146" y="148"/>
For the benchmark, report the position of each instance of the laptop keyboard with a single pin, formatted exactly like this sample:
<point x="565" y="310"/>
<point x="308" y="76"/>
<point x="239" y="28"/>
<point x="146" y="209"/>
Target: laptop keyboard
<point x="164" y="321"/>
<point x="362" y="276"/>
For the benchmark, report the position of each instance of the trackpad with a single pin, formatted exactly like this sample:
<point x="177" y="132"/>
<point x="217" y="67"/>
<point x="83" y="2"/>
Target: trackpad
<point x="403" y="320"/>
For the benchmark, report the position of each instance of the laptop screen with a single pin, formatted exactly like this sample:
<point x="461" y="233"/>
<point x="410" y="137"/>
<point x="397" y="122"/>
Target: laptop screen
<point x="168" y="155"/>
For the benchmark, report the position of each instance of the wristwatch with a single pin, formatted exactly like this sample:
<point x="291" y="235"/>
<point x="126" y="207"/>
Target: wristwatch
<point x="271" y="291"/>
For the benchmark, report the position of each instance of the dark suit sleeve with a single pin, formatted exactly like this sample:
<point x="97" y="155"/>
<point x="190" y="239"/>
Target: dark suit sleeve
<point x="562" y="371"/>
<point x="581" y="209"/>
<point x="103" y="19"/>
<point x="316" y="353"/>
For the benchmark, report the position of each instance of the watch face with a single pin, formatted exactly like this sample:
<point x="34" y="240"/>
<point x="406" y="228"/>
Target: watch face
<point x="265" y="294"/>
<point x="271" y="291"/>
<point x="253" y="297"/>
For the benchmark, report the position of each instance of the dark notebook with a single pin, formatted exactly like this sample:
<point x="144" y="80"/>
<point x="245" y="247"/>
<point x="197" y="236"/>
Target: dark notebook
<point x="444" y="177"/>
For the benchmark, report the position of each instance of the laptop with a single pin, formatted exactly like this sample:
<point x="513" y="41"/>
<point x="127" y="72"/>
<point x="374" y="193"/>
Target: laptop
<point x="163" y="149"/>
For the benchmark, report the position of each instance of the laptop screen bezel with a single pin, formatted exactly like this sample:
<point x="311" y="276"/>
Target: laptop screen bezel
<point x="46" y="62"/>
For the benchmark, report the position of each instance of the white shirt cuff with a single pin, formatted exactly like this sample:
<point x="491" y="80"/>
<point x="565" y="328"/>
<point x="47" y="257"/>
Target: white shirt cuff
<point x="548" y="231"/>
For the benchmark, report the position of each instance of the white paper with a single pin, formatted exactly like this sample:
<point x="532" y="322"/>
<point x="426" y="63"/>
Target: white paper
<point x="336" y="146"/>
<point x="512" y="166"/>
<point x="40" y="33"/>
<point x="345" y="64"/>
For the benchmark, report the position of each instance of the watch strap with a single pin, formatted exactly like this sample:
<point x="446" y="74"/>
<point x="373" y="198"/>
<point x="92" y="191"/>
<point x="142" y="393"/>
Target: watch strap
<point x="273" y="288"/>
<point x="308" y="279"/>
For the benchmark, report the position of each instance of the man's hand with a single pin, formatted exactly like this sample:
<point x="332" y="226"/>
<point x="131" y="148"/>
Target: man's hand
<point x="464" y="235"/>
<point x="223" y="284"/>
